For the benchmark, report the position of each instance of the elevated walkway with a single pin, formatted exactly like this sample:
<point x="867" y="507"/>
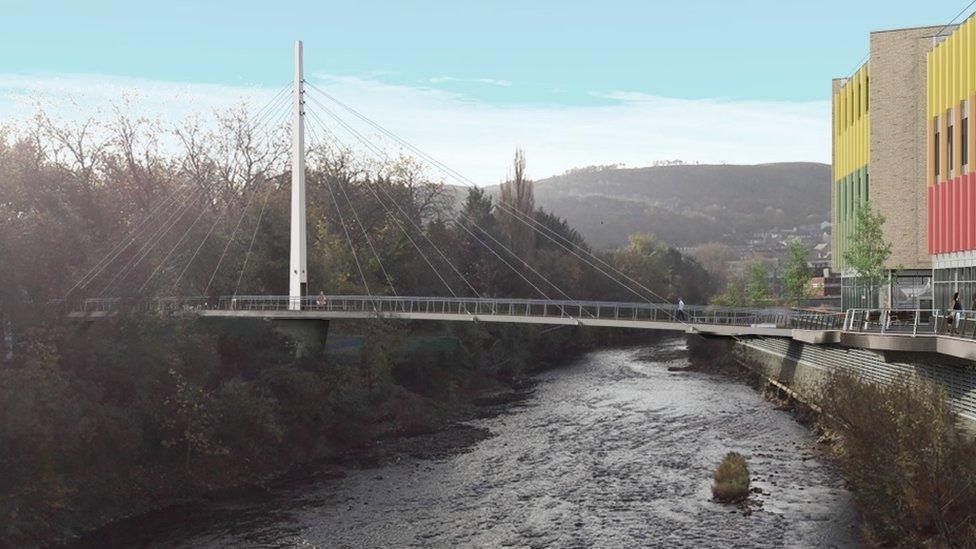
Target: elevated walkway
<point x="890" y="332"/>
<point x="607" y="314"/>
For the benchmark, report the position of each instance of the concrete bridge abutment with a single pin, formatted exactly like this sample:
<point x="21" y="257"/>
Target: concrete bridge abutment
<point x="308" y="335"/>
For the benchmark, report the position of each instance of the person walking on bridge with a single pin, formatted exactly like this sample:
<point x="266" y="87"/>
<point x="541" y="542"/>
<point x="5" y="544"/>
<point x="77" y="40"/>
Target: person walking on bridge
<point x="681" y="310"/>
<point x="955" y="313"/>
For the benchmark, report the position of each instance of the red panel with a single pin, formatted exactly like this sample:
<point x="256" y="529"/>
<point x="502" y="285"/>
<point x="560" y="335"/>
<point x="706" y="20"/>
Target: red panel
<point x="936" y="219"/>
<point x="963" y="240"/>
<point x="964" y="212"/>
<point x="963" y="207"/>
<point x="939" y="217"/>
<point x="951" y="218"/>
<point x="971" y="183"/>
<point x="956" y="233"/>
<point x="930" y="221"/>
<point x="957" y="183"/>
<point x="943" y="217"/>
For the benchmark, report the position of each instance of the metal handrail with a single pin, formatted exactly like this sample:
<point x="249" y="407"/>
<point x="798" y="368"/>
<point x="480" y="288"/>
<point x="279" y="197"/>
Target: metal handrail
<point x="914" y="322"/>
<point x="380" y="305"/>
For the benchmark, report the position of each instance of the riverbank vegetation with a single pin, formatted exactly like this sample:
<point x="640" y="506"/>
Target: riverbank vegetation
<point x="731" y="479"/>
<point x="105" y="419"/>
<point x="910" y="464"/>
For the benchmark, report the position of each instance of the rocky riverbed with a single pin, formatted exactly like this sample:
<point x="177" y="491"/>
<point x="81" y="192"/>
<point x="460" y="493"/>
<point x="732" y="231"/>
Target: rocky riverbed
<point x="615" y="449"/>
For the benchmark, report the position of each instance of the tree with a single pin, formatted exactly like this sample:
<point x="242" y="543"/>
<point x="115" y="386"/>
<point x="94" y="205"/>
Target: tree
<point x="796" y="273"/>
<point x="757" y="288"/>
<point x="715" y="258"/>
<point x="867" y="251"/>
<point x="643" y="260"/>
<point x="518" y="198"/>
<point x="732" y="295"/>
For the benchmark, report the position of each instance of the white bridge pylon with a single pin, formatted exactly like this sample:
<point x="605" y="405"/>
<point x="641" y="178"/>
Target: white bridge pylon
<point x="298" y="259"/>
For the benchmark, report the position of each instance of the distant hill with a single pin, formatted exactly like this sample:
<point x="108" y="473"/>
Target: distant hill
<point x="686" y="205"/>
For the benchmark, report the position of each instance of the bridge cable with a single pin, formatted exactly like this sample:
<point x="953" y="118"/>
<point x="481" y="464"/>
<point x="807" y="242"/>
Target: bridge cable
<point x="520" y="216"/>
<point x="240" y="220"/>
<point x="382" y="153"/>
<point x="384" y="156"/>
<point x="219" y="217"/>
<point x="392" y="216"/>
<point x="506" y="248"/>
<point x="345" y="230"/>
<point x="124" y="243"/>
<point x="203" y="241"/>
<point x="186" y="233"/>
<point x="137" y="232"/>
<point x="150" y="243"/>
<point x="254" y="236"/>
<point x="230" y="240"/>
<point x="359" y="221"/>
<point x="251" y="128"/>
<point x="414" y="224"/>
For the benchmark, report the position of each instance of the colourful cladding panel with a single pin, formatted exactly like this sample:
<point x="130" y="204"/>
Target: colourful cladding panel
<point x="851" y="127"/>
<point x="951" y="209"/>
<point x="851" y="124"/>
<point x="849" y="192"/>
<point x="951" y="89"/>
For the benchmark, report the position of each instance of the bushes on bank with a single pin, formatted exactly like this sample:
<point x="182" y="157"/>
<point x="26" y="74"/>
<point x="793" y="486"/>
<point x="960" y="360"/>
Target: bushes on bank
<point x="731" y="479"/>
<point x="911" y="466"/>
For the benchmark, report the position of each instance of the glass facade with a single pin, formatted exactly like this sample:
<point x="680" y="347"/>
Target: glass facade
<point x="908" y="290"/>
<point x="950" y="281"/>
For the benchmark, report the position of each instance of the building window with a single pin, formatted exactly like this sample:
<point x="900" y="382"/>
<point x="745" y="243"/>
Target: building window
<point x="949" y="149"/>
<point x="867" y="81"/>
<point x="965" y="141"/>
<point x="935" y="159"/>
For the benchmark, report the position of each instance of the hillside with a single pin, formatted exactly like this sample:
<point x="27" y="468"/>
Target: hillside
<point x="687" y="204"/>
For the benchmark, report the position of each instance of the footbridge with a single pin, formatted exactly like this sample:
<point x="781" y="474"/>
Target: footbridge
<point x="148" y="266"/>
<point x="607" y="314"/>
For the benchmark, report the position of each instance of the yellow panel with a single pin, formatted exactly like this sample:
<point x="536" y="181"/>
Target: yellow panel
<point x="972" y="56"/>
<point x="928" y="85"/>
<point x="851" y="112"/>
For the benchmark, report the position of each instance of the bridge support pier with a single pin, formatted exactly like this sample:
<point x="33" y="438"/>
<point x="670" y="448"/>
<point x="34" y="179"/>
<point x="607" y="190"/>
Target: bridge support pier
<point x="715" y="350"/>
<point x="309" y="335"/>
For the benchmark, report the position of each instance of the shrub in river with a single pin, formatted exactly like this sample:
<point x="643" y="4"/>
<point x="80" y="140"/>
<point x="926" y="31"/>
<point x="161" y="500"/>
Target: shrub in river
<point x="731" y="479"/>
<point x="911" y="466"/>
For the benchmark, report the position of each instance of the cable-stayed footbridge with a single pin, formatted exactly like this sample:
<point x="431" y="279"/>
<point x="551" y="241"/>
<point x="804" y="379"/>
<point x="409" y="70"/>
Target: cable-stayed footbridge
<point x="148" y="268"/>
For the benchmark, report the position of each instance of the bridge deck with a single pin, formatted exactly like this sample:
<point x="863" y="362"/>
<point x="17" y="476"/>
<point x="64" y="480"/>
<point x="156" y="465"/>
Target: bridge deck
<point x="648" y="316"/>
<point x="880" y="330"/>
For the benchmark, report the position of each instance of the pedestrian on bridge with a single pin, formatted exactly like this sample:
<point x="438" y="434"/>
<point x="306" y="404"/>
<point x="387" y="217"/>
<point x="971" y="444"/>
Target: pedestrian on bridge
<point x="321" y="301"/>
<point x="681" y="310"/>
<point x="955" y="313"/>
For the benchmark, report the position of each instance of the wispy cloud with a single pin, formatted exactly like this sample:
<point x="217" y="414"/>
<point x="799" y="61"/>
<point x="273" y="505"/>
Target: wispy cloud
<point x="489" y="81"/>
<point x="475" y="137"/>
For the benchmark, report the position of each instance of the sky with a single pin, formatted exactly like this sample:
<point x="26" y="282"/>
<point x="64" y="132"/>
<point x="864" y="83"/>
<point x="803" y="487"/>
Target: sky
<point x="573" y="83"/>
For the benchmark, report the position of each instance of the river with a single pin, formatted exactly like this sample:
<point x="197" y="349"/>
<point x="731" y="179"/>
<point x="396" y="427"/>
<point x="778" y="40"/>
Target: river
<point x="611" y="450"/>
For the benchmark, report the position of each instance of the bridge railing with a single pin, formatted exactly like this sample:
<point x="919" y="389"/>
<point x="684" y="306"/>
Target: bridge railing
<point x="581" y="310"/>
<point x="815" y="319"/>
<point x="908" y="321"/>
<point x="392" y="305"/>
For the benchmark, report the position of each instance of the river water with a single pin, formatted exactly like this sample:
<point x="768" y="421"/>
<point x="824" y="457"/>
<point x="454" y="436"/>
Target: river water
<point x="612" y="450"/>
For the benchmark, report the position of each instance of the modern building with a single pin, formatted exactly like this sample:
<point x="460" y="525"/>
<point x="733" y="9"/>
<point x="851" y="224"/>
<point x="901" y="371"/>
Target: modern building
<point x="950" y="174"/>
<point x="879" y="145"/>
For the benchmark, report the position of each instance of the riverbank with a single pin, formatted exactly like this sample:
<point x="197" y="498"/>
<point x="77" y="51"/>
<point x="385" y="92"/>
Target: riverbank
<point x="609" y="449"/>
<point x="225" y="408"/>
